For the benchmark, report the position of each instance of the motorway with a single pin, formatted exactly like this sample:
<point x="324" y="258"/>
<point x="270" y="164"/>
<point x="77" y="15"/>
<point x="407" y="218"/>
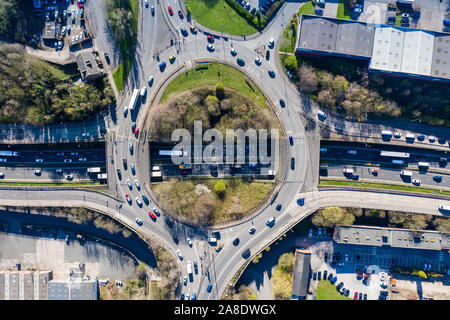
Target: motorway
<point x="217" y="268"/>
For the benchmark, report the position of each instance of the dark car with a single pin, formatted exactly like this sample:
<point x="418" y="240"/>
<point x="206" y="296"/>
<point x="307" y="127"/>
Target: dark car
<point x="325" y="275"/>
<point x="107" y="58"/>
<point x="240" y="62"/>
<point x="119" y="174"/>
<point x="236" y="242"/>
<point x="437" y="178"/>
<point x="169" y="223"/>
<point x="278" y="207"/>
<point x="282" y="103"/>
<point x="347" y="292"/>
<point x="292" y="163"/>
<point x="365" y="296"/>
<point x="314" y="275"/>
<point x="271" y="73"/>
<point x="182" y="297"/>
<point x="209" y="288"/>
<point x="180" y="14"/>
<point x="291" y="140"/>
<point x="319" y="275"/>
<point x="162" y="66"/>
<point x="246" y="254"/>
<point x="333" y="280"/>
<point x="253" y="11"/>
<point x="360" y="296"/>
<point x="210" y="39"/>
<point x="267" y="54"/>
<point x="184" y="32"/>
<point x="175" y="239"/>
<point x="325" y="257"/>
<point x="330" y="276"/>
<point x="339" y="286"/>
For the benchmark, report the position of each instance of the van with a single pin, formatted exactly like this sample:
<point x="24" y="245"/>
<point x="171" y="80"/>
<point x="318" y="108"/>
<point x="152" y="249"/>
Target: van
<point x="424" y="164"/>
<point x="212" y="241"/>
<point x="270" y="222"/>
<point x="386" y="133"/>
<point x="406" y="173"/>
<point x="156" y="168"/>
<point x="143" y="92"/>
<point x="410" y="136"/>
<point x="348" y="171"/>
<point x="321" y="115"/>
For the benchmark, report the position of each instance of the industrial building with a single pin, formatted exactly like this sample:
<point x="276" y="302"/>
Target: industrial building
<point x="300" y="274"/>
<point x="391" y="50"/>
<point x="88" y="67"/>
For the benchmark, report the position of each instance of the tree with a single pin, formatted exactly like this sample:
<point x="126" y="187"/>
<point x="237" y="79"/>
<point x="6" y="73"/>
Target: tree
<point x="220" y="91"/>
<point x="220" y="188"/>
<point x="282" y="286"/>
<point x="285" y="262"/>
<point x="331" y="216"/>
<point x="441" y="224"/>
<point x="326" y="98"/>
<point x="307" y="79"/>
<point x="291" y="63"/>
<point x="408" y="220"/>
<point x="140" y="271"/>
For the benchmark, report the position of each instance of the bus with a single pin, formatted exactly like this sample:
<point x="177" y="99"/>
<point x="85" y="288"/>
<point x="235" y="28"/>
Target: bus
<point x="9" y="153"/>
<point x="394" y="154"/>
<point x="134" y="98"/>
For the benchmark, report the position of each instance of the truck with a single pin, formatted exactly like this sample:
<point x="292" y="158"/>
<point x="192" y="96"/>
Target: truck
<point x="189" y="270"/>
<point x="406" y="173"/>
<point x="134" y="98"/>
<point x="94" y="170"/>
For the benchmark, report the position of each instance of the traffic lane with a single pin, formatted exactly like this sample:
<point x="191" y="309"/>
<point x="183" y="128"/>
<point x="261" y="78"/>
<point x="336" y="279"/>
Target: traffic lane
<point x="393" y="175"/>
<point x="47" y="174"/>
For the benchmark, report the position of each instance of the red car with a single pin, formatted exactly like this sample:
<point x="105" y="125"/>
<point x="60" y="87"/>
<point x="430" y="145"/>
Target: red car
<point x="374" y="172"/>
<point x="211" y="38"/>
<point x="128" y="198"/>
<point x="152" y="215"/>
<point x="180" y="14"/>
<point x="80" y="5"/>
<point x="170" y="10"/>
<point x="355" y="297"/>
<point x="136" y="131"/>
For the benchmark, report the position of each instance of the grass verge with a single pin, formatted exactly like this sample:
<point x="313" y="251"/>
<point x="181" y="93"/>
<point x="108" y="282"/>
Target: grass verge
<point x="209" y="74"/>
<point x="344" y="11"/>
<point x="387" y="186"/>
<point x="219" y="16"/>
<point x="327" y="291"/>
<point x="307" y="8"/>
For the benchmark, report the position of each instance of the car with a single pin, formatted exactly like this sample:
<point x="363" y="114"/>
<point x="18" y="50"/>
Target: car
<point x="246" y="253"/>
<point x="69" y="176"/>
<point x="189" y="241"/>
<point x="82" y="159"/>
<point x="319" y="276"/>
<point x="300" y="201"/>
<point x="421" y="137"/>
<point x="67" y="160"/>
<point x="37" y="172"/>
<point x="152" y="215"/>
<point x="405" y="15"/>
<point x="325" y="258"/>
<point x="169" y="223"/>
<point x="195" y="267"/>
<point x="194" y="296"/>
<point x="150" y="81"/>
<point x="85" y="134"/>
<point x="156" y="211"/>
<point x="258" y="61"/>
<point x="333" y="280"/>
<point x="271" y="73"/>
<point x="374" y="172"/>
<point x="125" y="165"/>
<point x="169" y="8"/>
<point x="210" y="38"/>
<point x="146" y="3"/>
<point x="209" y="288"/>
<point x="330" y="276"/>
<point x="139" y="221"/>
<point x="58" y="171"/>
<point x="437" y="178"/>
<point x="278" y="207"/>
<point x="180" y="14"/>
<point x="184" y="32"/>
<point x="292" y="163"/>
<point x="252" y="230"/>
<point x="39" y="160"/>
<point x="210" y="47"/>
<point x="133" y="170"/>
<point x="179" y="254"/>
<point x="172" y="59"/>
<point x="432" y="139"/>
<point x="125" y="111"/>
<point x="352" y="152"/>
<point x="365" y="296"/>
<point x="60" y="45"/>
<point x="291" y="140"/>
<point x="193" y="29"/>
<point x="397" y="135"/>
<point x="136" y="131"/>
<point x="240" y="62"/>
<point x="416" y="182"/>
<point x="339" y="286"/>
<point x="233" y="52"/>
<point x="271" y="43"/>
<point x="153" y="10"/>
<point x="145" y="199"/>
<point x="130" y="146"/>
<point x="267" y="54"/>
<point x="270" y="222"/>
<point x="253" y="11"/>
<point x="355" y="296"/>
<point x="162" y="66"/>
<point x="143" y="93"/>
<point x="127" y="197"/>
<point x="236" y="242"/>
<point x="185" y="280"/>
<point x="360" y="296"/>
<point x="129" y="184"/>
<point x="63" y="31"/>
<point x="346" y="292"/>
<point x="138" y="201"/>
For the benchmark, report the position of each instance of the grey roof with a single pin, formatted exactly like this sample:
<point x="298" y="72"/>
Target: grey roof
<point x="397" y="238"/>
<point x="335" y="36"/>
<point x="49" y="30"/>
<point x="2" y="286"/>
<point x="69" y="290"/>
<point x="28" y="285"/>
<point x="13" y="283"/>
<point x="300" y="275"/>
<point x="87" y="65"/>
<point x="440" y="65"/>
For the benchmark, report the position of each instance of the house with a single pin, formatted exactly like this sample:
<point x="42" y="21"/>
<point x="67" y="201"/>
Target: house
<point x="88" y="67"/>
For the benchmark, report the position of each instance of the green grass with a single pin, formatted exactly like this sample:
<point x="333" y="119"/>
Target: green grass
<point x="217" y="14"/>
<point x="209" y="74"/>
<point x="344" y="10"/>
<point x="307" y="8"/>
<point x="119" y="78"/>
<point x="327" y="291"/>
<point x="382" y="186"/>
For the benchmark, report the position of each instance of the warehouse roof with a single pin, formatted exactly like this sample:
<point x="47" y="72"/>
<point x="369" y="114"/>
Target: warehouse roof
<point x="440" y="65"/>
<point x="300" y="275"/>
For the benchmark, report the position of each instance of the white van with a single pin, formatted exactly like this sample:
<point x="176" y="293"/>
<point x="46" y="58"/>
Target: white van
<point x="410" y="136"/>
<point x="156" y="168"/>
<point x="386" y="133"/>
<point x="270" y="222"/>
<point x="348" y="171"/>
<point x="406" y="173"/>
<point x="212" y="241"/>
<point x="424" y="164"/>
<point x="143" y="92"/>
<point x="322" y="115"/>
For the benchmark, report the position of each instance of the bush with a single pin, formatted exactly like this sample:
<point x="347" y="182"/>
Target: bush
<point x="331" y="216"/>
<point x="220" y="91"/>
<point x="220" y="188"/>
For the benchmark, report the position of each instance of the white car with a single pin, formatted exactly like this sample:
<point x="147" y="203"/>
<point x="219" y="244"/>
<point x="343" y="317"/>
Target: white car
<point x="189" y="242"/>
<point x="85" y="134"/>
<point x="179" y="254"/>
<point x="129" y="184"/>
<point x="271" y="43"/>
<point x="58" y="170"/>
<point x="69" y="176"/>
<point x="139" y="221"/>
<point x="67" y="160"/>
<point x="432" y="139"/>
<point x="125" y="111"/>
<point x="39" y="160"/>
<point x="138" y="201"/>
<point x="37" y="172"/>
<point x="210" y="47"/>
<point x="416" y="182"/>
<point x="2" y="175"/>
<point x="146" y="3"/>
<point x="185" y="280"/>
<point x="353" y="152"/>
<point x="138" y="186"/>
<point x="233" y="52"/>
<point x="258" y="61"/>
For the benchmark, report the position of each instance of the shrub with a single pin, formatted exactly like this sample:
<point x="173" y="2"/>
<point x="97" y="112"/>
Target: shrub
<point x="220" y="188"/>
<point x="220" y="91"/>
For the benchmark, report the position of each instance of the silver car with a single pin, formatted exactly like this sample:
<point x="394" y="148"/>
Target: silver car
<point x="129" y="184"/>
<point x="138" y="201"/>
<point x="138" y="186"/>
